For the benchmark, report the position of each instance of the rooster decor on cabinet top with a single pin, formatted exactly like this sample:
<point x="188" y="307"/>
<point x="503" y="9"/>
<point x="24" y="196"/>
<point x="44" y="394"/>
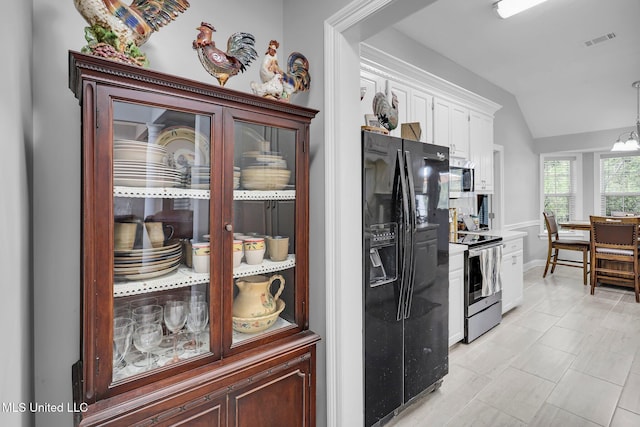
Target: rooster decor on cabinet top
<point x="387" y="113"/>
<point x="278" y="84"/>
<point x="222" y="65"/>
<point x="117" y="31"/>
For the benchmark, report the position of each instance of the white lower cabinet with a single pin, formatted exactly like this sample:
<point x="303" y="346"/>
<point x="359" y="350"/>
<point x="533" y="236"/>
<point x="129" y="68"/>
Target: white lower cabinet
<point x="511" y="270"/>
<point x="456" y="298"/>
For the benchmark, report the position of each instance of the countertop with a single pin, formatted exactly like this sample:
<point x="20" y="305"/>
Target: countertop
<point x="455" y="249"/>
<point x="505" y="234"/>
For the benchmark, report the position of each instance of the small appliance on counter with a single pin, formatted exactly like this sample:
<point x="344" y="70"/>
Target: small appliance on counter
<point x="461" y="178"/>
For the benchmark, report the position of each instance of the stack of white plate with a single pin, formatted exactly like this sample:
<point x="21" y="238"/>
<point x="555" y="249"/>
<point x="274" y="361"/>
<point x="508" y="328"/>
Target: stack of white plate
<point x="200" y="176"/>
<point x="133" y="173"/>
<point x="125" y="149"/>
<point x="139" y="264"/>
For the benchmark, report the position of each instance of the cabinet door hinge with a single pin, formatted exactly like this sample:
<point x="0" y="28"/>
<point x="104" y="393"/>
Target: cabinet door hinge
<point x="97" y="365"/>
<point x="309" y="379"/>
<point x="304" y="146"/>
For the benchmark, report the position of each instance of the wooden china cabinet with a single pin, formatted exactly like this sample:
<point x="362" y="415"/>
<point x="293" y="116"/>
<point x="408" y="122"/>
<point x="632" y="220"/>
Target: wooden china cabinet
<point x="176" y="176"/>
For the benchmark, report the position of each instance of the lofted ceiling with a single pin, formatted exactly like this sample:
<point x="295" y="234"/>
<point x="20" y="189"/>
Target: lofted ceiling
<point x="540" y="56"/>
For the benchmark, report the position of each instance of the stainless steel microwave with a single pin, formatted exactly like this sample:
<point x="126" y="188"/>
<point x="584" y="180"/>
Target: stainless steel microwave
<point x="461" y="178"/>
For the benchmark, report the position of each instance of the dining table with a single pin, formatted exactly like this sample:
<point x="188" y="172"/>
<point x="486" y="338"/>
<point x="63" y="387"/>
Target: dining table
<point x="578" y="224"/>
<point x="582" y="224"/>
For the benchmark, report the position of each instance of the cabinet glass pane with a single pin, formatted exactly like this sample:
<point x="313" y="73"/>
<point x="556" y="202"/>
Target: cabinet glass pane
<point x="264" y="224"/>
<point x="161" y="254"/>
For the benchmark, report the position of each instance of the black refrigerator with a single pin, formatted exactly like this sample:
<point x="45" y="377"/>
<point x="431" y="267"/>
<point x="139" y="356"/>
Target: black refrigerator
<point x="405" y="206"/>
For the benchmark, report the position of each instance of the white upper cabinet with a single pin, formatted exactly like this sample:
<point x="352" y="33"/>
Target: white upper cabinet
<point x="402" y="95"/>
<point x="370" y="84"/>
<point x="451" y="127"/>
<point x="421" y="107"/>
<point x="481" y="150"/>
<point x="459" y="132"/>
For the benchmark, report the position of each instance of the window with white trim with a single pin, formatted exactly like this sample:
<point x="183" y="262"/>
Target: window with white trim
<point x="560" y="187"/>
<point x="619" y="183"/>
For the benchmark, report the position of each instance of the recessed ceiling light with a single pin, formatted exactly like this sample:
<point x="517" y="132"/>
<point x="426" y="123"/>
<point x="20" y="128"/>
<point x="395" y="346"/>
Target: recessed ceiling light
<point x="507" y="8"/>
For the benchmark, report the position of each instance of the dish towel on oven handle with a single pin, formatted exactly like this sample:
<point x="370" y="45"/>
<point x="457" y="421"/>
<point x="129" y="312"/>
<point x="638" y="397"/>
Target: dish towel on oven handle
<point x="490" y="261"/>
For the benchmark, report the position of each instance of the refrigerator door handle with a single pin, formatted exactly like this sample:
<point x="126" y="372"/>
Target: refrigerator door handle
<point x="412" y="238"/>
<point x="404" y="237"/>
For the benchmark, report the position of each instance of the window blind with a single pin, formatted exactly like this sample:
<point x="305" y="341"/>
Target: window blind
<point x="560" y="187"/>
<point x="619" y="184"/>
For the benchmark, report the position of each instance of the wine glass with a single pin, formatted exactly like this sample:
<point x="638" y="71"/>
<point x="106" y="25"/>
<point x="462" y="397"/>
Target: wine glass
<point x="197" y="320"/>
<point x="175" y="316"/>
<point x="122" y="332"/>
<point x="146" y="337"/>
<point x="147" y="314"/>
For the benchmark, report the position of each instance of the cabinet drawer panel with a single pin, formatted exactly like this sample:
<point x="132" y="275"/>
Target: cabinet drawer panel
<point x="199" y="417"/>
<point x="512" y="246"/>
<point x="277" y="401"/>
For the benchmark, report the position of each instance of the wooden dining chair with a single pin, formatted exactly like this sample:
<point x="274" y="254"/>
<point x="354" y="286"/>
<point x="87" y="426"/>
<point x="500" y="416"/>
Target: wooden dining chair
<point x="556" y="244"/>
<point x="614" y="252"/>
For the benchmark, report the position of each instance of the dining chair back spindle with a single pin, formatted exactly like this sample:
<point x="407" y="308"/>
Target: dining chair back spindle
<point x="555" y="245"/>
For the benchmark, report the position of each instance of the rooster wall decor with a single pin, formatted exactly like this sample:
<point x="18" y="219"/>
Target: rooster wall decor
<point x="117" y="31"/>
<point x="387" y="114"/>
<point x="222" y="65"/>
<point x="278" y="84"/>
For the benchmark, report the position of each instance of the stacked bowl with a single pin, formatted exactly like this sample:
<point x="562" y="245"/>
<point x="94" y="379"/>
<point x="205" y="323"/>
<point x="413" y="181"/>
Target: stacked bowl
<point x="264" y="170"/>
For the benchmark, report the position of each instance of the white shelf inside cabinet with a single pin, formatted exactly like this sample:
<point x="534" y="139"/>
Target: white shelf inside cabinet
<point x="267" y="266"/>
<point x="264" y="195"/>
<point x="183" y="276"/>
<point x="161" y="192"/>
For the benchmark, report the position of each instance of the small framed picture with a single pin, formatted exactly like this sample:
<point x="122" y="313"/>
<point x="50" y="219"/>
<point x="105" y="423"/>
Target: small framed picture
<point x="371" y="120"/>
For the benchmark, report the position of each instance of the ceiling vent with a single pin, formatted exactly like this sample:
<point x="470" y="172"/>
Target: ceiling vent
<point x="604" y="38"/>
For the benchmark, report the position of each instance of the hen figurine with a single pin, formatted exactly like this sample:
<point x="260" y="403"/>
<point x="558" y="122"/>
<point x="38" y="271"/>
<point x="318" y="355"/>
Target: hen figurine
<point x="117" y="31"/>
<point x="278" y="84"/>
<point x="387" y="114"/>
<point x="222" y="65"/>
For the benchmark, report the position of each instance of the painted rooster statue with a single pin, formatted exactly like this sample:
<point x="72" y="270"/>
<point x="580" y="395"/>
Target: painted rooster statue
<point x="222" y="65"/>
<point x="387" y="114"/>
<point x="117" y="31"/>
<point x="278" y="84"/>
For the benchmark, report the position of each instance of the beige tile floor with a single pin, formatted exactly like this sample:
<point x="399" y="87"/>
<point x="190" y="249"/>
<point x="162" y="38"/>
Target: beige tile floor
<point x="563" y="358"/>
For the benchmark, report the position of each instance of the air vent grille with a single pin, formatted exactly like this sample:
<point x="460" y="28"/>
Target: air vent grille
<point x="600" y="39"/>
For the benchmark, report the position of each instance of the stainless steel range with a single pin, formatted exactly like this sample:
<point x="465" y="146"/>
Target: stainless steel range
<point x="481" y="313"/>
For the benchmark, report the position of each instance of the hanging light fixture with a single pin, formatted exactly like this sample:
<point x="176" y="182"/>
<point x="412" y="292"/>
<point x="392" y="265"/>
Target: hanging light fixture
<point x="630" y="141"/>
<point x="507" y="8"/>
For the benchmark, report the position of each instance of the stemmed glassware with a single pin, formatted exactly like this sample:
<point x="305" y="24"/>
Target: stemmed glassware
<point x="122" y="332"/>
<point x="147" y="337"/>
<point x="197" y="320"/>
<point x="175" y="316"/>
<point x="148" y="331"/>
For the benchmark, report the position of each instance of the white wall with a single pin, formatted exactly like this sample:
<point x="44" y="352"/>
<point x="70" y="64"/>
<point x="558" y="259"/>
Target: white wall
<point x="56" y="169"/>
<point x="16" y="379"/>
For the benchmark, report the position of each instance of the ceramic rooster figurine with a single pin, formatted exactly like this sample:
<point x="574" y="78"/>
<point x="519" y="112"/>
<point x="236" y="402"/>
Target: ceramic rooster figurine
<point x="222" y="65"/>
<point x="117" y="30"/>
<point x="387" y="114"/>
<point x="278" y="84"/>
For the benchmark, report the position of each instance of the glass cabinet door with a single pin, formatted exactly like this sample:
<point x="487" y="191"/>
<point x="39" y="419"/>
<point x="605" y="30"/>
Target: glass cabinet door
<point x="161" y="246"/>
<point x="264" y="231"/>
